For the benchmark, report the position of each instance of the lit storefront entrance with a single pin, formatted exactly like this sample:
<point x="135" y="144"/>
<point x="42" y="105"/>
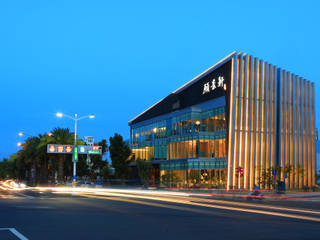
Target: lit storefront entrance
<point x="194" y="174"/>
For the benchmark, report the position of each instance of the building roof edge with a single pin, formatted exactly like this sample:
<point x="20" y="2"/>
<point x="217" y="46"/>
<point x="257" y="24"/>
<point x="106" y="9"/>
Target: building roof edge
<point x="190" y="82"/>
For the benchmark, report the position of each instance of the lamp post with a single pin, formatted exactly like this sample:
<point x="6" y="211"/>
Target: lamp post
<point x="75" y="119"/>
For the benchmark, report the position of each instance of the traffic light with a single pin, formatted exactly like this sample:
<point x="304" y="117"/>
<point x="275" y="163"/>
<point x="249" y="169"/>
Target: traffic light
<point x="75" y="154"/>
<point x="241" y="171"/>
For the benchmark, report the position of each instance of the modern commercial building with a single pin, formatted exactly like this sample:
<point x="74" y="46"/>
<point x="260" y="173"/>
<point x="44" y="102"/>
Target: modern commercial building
<point x="241" y="122"/>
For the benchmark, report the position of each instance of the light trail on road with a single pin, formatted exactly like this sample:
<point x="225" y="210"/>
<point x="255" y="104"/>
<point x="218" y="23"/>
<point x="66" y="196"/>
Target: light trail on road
<point x="203" y="205"/>
<point x="10" y="185"/>
<point x="184" y="198"/>
<point x="136" y="196"/>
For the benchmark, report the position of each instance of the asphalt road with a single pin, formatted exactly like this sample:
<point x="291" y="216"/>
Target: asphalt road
<point x="45" y="214"/>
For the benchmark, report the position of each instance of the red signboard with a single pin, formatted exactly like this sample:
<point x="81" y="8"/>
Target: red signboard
<point x="68" y="149"/>
<point x="95" y="148"/>
<point x="60" y="148"/>
<point x="52" y="148"/>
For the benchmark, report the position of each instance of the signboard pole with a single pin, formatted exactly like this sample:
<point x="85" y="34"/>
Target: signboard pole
<point x="75" y="152"/>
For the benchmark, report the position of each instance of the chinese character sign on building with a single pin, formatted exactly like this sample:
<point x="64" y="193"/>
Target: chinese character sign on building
<point x="213" y="84"/>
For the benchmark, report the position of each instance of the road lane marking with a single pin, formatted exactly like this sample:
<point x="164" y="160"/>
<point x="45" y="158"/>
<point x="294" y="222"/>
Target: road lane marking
<point x="15" y="232"/>
<point x="34" y="207"/>
<point x="208" y="206"/>
<point x="24" y="195"/>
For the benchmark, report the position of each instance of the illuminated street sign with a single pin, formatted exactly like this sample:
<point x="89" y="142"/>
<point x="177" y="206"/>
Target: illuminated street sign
<point x="94" y="152"/>
<point x="60" y="149"/>
<point x="96" y="148"/>
<point x="68" y="149"/>
<point x="89" y="140"/>
<point x="82" y="149"/>
<point x="51" y="148"/>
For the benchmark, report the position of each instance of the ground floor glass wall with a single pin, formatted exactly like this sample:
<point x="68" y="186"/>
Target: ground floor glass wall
<point x="190" y="178"/>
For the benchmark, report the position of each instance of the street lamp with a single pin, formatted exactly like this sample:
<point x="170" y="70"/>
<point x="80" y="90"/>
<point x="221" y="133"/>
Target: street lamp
<point x="19" y="144"/>
<point x="23" y="133"/>
<point x="75" y="119"/>
<point x="29" y="135"/>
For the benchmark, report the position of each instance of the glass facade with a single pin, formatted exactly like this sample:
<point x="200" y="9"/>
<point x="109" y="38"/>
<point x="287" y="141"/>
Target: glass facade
<point x="175" y="141"/>
<point x="190" y="135"/>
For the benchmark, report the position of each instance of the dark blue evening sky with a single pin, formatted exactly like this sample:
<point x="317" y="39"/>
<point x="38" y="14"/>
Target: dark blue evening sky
<point x="115" y="59"/>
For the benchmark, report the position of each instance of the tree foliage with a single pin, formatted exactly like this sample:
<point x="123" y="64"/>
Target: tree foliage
<point x="120" y="156"/>
<point x="6" y="169"/>
<point x="33" y="164"/>
<point x="265" y="175"/>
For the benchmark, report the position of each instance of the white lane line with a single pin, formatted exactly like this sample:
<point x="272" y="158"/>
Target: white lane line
<point x="35" y="207"/>
<point x="15" y="232"/>
<point x="24" y="195"/>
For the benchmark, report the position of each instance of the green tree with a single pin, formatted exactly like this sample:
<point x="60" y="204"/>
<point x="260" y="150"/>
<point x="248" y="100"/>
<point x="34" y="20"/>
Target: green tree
<point x="120" y="156"/>
<point x="299" y="172"/>
<point x="97" y="160"/>
<point x="62" y="136"/>
<point x="265" y="177"/>
<point x="288" y="170"/>
<point x="106" y="172"/>
<point x="144" y="170"/>
<point x="6" y="168"/>
<point x="29" y="159"/>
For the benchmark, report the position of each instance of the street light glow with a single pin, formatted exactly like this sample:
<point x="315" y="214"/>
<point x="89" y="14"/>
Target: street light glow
<point x="19" y="144"/>
<point x="49" y="134"/>
<point x="92" y="116"/>
<point x="20" y="134"/>
<point x="59" y="114"/>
